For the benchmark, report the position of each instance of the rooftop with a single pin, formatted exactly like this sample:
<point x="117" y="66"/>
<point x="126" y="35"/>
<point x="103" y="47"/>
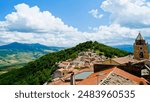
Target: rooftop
<point x="139" y="37"/>
<point x="112" y="76"/>
<point x="66" y="79"/>
<point x="82" y="75"/>
<point x="95" y="78"/>
<point x="126" y="59"/>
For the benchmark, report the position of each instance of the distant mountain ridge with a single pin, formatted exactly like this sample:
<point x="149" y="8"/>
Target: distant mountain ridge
<point x="29" y="47"/>
<point x="128" y="48"/>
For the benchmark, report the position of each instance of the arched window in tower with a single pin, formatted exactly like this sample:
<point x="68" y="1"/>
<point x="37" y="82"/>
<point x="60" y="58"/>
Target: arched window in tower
<point x="141" y="55"/>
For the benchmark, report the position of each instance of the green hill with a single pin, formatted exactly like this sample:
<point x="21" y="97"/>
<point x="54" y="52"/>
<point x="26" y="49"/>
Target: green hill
<point x="40" y="70"/>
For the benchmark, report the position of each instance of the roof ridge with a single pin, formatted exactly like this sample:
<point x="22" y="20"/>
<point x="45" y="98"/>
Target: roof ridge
<point x="126" y="76"/>
<point x="139" y="37"/>
<point x="108" y="75"/>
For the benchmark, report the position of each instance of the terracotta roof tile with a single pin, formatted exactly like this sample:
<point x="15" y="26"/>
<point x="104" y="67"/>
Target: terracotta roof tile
<point x="97" y="77"/>
<point x="123" y="60"/>
<point x="94" y="78"/>
<point x="129" y="76"/>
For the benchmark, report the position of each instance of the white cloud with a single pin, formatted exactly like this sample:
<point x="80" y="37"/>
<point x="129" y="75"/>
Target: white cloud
<point x="115" y="34"/>
<point x="50" y="39"/>
<point x="129" y="13"/>
<point x="111" y="35"/>
<point x="30" y="25"/>
<point x="31" y="19"/>
<point x="95" y="13"/>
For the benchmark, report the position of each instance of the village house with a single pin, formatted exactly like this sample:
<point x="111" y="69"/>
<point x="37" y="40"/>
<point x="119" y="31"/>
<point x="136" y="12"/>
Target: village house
<point x="64" y="64"/>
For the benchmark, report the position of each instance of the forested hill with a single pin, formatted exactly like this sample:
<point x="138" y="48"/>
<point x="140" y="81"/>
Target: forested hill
<point x="40" y="70"/>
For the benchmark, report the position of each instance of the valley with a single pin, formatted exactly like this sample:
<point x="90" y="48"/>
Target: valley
<point x="16" y="55"/>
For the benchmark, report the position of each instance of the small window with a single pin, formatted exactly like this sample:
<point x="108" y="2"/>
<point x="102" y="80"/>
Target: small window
<point x="141" y="55"/>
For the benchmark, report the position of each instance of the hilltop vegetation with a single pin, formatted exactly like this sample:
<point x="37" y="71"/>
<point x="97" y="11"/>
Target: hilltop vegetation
<point x="39" y="71"/>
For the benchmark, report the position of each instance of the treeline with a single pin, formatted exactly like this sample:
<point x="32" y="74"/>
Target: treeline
<point x="40" y="70"/>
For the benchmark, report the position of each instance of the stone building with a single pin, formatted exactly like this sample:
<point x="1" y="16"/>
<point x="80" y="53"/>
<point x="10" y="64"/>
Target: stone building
<point x="140" y="48"/>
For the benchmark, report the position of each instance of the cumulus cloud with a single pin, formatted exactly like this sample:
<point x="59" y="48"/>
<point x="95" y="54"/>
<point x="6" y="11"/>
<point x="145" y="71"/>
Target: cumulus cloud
<point x="129" y="13"/>
<point x="50" y="39"/>
<point x="31" y="19"/>
<point x="115" y="34"/>
<point x="95" y="13"/>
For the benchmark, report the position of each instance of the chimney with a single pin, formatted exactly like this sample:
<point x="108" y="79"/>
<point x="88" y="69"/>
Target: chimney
<point x="72" y="79"/>
<point x="110" y="61"/>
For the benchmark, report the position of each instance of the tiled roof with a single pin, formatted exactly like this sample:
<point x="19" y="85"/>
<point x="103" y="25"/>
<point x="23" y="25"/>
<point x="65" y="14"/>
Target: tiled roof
<point x="123" y="60"/>
<point x="129" y="76"/>
<point x="61" y="69"/>
<point x="118" y="76"/>
<point x="61" y="81"/>
<point x="64" y="63"/>
<point x="139" y="37"/>
<point x="112" y="76"/>
<point x="114" y="79"/>
<point x="95" y="78"/>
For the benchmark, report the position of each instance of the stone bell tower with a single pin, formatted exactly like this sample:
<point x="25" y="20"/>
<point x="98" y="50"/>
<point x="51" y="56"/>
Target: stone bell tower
<point x="140" y="48"/>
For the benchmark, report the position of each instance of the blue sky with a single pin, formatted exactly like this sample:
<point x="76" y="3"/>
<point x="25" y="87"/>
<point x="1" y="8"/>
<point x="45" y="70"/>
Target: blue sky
<point x="72" y="12"/>
<point x="69" y="22"/>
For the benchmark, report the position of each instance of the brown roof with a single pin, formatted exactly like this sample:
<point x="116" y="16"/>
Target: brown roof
<point x="95" y="78"/>
<point x="129" y="76"/>
<point x="64" y="63"/>
<point x="123" y="60"/>
<point x="61" y="69"/>
<point x="61" y="81"/>
<point x="98" y="77"/>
